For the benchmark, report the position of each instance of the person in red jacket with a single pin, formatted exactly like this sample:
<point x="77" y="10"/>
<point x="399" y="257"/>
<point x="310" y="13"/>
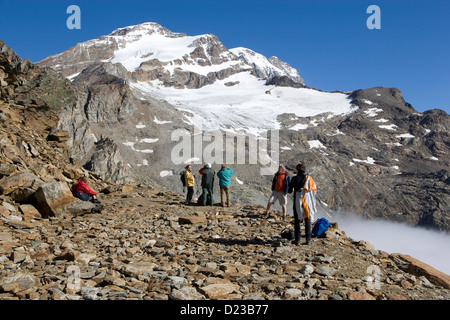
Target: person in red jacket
<point x="82" y="191"/>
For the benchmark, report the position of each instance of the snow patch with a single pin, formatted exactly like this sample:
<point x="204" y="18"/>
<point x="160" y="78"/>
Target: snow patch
<point x="73" y="76"/>
<point x="394" y="144"/>
<point x="405" y="135"/>
<point x="316" y="144"/>
<point x="298" y="127"/>
<point x="190" y="160"/>
<point x="144" y="163"/>
<point x="160" y="121"/>
<point x="149" y="140"/>
<point x="239" y="181"/>
<point x="392" y="127"/>
<point x="131" y="145"/>
<point x="372" y="112"/>
<point x="166" y="173"/>
<point x="368" y="161"/>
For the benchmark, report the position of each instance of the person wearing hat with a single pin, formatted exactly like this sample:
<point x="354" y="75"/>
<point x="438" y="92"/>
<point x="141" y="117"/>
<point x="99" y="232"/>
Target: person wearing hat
<point x="207" y="185"/>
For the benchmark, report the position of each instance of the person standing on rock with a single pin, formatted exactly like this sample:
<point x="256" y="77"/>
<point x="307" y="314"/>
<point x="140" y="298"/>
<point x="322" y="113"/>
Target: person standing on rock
<point x="207" y="185"/>
<point x="304" y="208"/>
<point x="82" y="191"/>
<point x="224" y="175"/>
<point x="189" y="183"/>
<point x="280" y="188"/>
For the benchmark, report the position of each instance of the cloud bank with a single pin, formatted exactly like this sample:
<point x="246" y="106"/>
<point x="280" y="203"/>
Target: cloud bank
<point x="428" y="246"/>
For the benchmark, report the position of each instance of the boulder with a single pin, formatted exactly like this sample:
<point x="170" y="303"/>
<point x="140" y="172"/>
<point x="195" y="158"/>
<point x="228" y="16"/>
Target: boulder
<point x="18" y="282"/>
<point x="68" y="255"/>
<point x="6" y="169"/>
<point x="56" y="199"/>
<point x="325" y="271"/>
<point x="134" y="269"/>
<point x="22" y="179"/>
<point x="418" y="268"/>
<point x="29" y="212"/>
<point x="4" y="212"/>
<point x="186" y="293"/>
<point x="235" y="270"/>
<point x="219" y="291"/>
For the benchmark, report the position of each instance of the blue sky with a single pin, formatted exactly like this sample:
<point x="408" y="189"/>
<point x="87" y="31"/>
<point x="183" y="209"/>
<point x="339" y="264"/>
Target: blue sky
<point x="327" y="41"/>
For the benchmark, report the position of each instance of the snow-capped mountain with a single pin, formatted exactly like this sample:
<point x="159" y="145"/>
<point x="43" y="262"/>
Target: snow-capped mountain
<point x="370" y="152"/>
<point x="198" y="74"/>
<point x="159" y="53"/>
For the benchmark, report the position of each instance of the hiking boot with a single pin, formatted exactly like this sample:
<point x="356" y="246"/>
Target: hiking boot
<point x="296" y="242"/>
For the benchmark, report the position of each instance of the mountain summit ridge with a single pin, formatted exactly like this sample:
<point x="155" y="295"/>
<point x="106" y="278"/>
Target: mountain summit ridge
<point x="149" y="46"/>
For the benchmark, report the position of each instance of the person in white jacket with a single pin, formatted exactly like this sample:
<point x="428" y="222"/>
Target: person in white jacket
<point x="305" y="190"/>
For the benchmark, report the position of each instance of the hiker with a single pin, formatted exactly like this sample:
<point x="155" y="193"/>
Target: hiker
<point x="280" y="188"/>
<point x="207" y="197"/>
<point x="189" y="183"/>
<point x="304" y="207"/>
<point x="224" y="175"/>
<point x="81" y="190"/>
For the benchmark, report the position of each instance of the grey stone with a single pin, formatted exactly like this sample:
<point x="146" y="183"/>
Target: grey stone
<point x="325" y="271"/>
<point x="186" y="293"/>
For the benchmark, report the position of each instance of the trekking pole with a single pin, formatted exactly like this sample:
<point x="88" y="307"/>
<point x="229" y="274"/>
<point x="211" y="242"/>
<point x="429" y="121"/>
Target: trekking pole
<point x="196" y="187"/>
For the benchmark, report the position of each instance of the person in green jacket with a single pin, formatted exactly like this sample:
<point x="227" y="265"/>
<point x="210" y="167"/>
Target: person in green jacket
<point x="207" y="185"/>
<point x="224" y="175"/>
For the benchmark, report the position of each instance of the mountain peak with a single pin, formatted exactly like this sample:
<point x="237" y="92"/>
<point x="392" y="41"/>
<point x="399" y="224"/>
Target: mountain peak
<point x="267" y="68"/>
<point x="146" y="28"/>
<point x="149" y="51"/>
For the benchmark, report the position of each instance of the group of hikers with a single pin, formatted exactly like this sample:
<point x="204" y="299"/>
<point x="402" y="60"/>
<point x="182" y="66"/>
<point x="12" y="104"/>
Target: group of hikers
<point x="302" y="186"/>
<point x="208" y="177"/>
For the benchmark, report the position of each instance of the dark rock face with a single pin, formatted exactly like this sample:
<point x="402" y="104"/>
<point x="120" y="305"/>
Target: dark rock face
<point x="386" y="160"/>
<point x="284" y="81"/>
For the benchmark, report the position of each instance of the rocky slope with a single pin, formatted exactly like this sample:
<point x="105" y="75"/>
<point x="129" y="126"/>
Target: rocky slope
<point x="145" y="243"/>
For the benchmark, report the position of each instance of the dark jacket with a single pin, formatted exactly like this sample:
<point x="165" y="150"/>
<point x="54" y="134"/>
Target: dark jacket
<point x="297" y="183"/>
<point x="208" y="178"/>
<point x="287" y="181"/>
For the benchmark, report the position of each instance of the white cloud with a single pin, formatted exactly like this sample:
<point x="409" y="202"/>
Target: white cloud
<point x="430" y="247"/>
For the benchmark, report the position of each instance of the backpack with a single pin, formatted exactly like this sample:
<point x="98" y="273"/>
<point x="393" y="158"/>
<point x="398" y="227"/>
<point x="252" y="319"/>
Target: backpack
<point x="320" y="227"/>
<point x="183" y="180"/>
<point x="288" y="234"/>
